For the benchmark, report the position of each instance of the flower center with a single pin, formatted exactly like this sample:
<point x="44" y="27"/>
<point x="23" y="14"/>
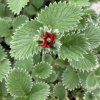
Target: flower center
<point x="49" y="40"/>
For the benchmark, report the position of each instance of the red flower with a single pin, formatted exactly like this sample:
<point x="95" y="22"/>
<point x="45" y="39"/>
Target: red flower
<point x="48" y="40"/>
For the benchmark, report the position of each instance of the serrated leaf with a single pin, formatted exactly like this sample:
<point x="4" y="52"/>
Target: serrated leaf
<point x="30" y="10"/>
<point x="25" y="64"/>
<point x="59" y="91"/>
<point x="82" y="78"/>
<point x="89" y="96"/>
<point x="51" y="87"/>
<point x="42" y="70"/>
<point x="93" y="35"/>
<point x="37" y="3"/>
<point x="4" y="28"/>
<point x="37" y="58"/>
<point x="70" y="78"/>
<point x="4" y="68"/>
<point x="24" y="43"/>
<point x="4" y="64"/>
<point x="96" y="92"/>
<point x="73" y="46"/>
<point x="60" y="16"/>
<point x="47" y="58"/>
<point x="82" y="25"/>
<point x="8" y="39"/>
<point x="2" y="53"/>
<point x="91" y="81"/>
<point x="8" y="20"/>
<point x="39" y="91"/>
<point x="94" y="17"/>
<point x="88" y="63"/>
<point x="18" y="21"/>
<point x="19" y="83"/>
<point x="97" y="72"/>
<point x="82" y="3"/>
<point x="98" y="82"/>
<point x="16" y="6"/>
<point x="9" y="12"/>
<point x="60" y="63"/>
<point x="52" y="77"/>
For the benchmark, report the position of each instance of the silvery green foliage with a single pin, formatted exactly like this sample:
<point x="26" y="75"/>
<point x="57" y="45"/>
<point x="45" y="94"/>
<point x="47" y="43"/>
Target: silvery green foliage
<point x="30" y="68"/>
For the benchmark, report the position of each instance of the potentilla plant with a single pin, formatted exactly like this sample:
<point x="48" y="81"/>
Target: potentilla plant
<point x="49" y="50"/>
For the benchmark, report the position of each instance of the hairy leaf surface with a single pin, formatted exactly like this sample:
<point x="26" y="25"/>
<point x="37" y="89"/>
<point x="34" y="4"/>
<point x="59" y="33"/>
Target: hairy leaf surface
<point x="19" y="83"/>
<point x="64" y="16"/>
<point x="17" y="5"/>
<point x="39" y="91"/>
<point x="24" y="43"/>
<point x="70" y="78"/>
<point x="42" y="70"/>
<point x="73" y="46"/>
<point x="93" y="35"/>
<point x="87" y="63"/>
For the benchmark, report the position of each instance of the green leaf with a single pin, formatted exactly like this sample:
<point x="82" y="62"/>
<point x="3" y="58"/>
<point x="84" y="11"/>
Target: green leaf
<point x="9" y="21"/>
<point x="3" y="90"/>
<point x="25" y="64"/>
<point x="37" y="3"/>
<point x="87" y="63"/>
<point x="39" y="91"/>
<point x="89" y="96"/>
<point x="91" y="14"/>
<point x="98" y="82"/>
<point x="70" y="78"/>
<point x="16" y="6"/>
<point x="47" y="58"/>
<point x="4" y="68"/>
<point x="82" y="78"/>
<point x="73" y="46"/>
<point x="24" y="42"/>
<point x="52" y="77"/>
<point x="97" y="72"/>
<point x="80" y="2"/>
<point x="19" y="83"/>
<point x="18" y="21"/>
<point x="8" y="39"/>
<point x="4" y="64"/>
<point x="82" y="25"/>
<point x="60" y="63"/>
<point x="4" y="28"/>
<point x="42" y="70"/>
<point x="2" y="10"/>
<point x="91" y="81"/>
<point x="96" y="92"/>
<point x="37" y="58"/>
<point x="93" y="35"/>
<point x="6" y="98"/>
<point x="30" y="10"/>
<point x="59" y="91"/>
<point x="60" y="16"/>
<point x="9" y="12"/>
<point x="20" y="98"/>
<point x="2" y="53"/>
<point x="53" y="98"/>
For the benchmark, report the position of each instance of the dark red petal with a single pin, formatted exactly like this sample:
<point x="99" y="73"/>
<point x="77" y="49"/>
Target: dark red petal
<point x="47" y="44"/>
